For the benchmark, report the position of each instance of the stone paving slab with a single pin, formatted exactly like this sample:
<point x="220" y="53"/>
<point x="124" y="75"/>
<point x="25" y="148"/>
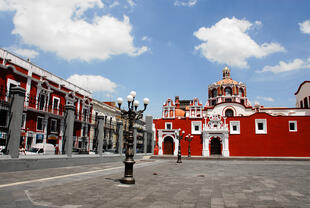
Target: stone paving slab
<point x="167" y="184"/>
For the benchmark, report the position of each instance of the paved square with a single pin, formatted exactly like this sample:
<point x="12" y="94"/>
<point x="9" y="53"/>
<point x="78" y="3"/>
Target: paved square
<point x="163" y="183"/>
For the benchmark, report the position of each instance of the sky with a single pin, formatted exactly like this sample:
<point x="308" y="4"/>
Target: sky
<point x="165" y="48"/>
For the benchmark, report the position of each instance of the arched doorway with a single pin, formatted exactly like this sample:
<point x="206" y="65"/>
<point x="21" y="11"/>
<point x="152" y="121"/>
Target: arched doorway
<point x="168" y="146"/>
<point x="216" y="148"/>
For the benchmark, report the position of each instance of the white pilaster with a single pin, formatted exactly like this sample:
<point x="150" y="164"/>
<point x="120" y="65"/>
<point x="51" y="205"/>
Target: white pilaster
<point x="205" y="148"/>
<point x="176" y="146"/>
<point x="160" y="142"/>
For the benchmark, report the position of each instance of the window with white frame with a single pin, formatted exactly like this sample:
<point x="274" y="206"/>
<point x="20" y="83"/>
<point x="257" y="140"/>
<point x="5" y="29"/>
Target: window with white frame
<point x="39" y="123"/>
<point x="11" y="83"/>
<point x="56" y="102"/>
<point x="168" y="125"/>
<point x="53" y="125"/>
<point x="292" y="126"/>
<point x="234" y="127"/>
<point x="196" y="127"/>
<point x="260" y="126"/>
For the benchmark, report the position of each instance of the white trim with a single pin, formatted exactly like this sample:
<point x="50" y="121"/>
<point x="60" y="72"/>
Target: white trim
<point x="8" y="83"/>
<point x="166" y="123"/>
<point x="234" y="123"/>
<point x="56" y="98"/>
<point x="289" y="126"/>
<point x="264" y="130"/>
<point x="193" y="125"/>
<point x="41" y="123"/>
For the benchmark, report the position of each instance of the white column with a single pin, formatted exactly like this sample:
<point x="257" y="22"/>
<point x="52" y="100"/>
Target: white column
<point x="28" y="86"/>
<point x="176" y="146"/>
<point x="61" y="134"/>
<point x="160" y="142"/>
<point x="225" y="145"/>
<point x="45" y="119"/>
<point x="205" y="148"/>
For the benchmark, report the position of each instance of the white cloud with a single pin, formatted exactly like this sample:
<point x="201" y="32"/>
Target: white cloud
<point x="62" y="27"/>
<point x="131" y="3"/>
<point x="94" y="83"/>
<point x="297" y="64"/>
<point x="186" y="3"/>
<point x="305" y="27"/>
<point x="114" y="4"/>
<point x="227" y="42"/>
<point x="145" y="38"/>
<point x="27" y="53"/>
<point x="268" y="99"/>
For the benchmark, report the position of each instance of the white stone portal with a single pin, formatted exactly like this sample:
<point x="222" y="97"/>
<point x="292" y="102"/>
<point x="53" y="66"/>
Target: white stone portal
<point x="215" y="127"/>
<point x="162" y="134"/>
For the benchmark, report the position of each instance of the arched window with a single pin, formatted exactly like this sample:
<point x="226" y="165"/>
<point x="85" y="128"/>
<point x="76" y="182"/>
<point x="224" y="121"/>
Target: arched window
<point x="214" y="92"/>
<point x="229" y="113"/>
<point x="228" y="91"/>
<point x="240" y="92"/>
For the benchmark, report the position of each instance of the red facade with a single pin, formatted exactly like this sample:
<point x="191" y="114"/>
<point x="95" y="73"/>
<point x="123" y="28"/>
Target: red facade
<point x="230" y="126"/>
<point x="46" y="96"/>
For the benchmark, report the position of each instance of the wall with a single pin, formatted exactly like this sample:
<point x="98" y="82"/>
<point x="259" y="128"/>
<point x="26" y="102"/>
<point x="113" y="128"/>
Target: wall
<point x="184" y="124"/>
<point x="278" y="141"/>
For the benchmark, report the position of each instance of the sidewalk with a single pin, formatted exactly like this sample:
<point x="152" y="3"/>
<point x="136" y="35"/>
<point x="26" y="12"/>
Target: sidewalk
<point x="163" y="183"/>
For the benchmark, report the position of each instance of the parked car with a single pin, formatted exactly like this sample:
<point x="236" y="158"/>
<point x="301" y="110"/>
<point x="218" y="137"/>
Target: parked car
<point x="41" y="149"/>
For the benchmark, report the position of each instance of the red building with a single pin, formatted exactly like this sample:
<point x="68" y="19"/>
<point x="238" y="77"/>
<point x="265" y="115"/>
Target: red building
<point x="46" y="95"/>
<point x="230" y="126"/>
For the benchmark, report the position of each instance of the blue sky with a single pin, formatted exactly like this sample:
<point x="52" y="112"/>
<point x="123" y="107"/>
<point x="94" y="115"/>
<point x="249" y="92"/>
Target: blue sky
<point x="164" y="48"/>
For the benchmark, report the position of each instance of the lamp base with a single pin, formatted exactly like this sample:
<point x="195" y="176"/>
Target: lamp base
<point x="128" y="180"/>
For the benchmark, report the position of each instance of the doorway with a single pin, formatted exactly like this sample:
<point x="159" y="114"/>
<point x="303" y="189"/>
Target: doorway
<point x="216" y="148"/>
<point x="168" y="146"/>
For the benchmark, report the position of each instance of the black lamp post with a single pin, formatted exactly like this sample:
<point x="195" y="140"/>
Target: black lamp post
<point x="189" y="138"/>
<point x="132" y="114"/>
<point x="179" y="137"/>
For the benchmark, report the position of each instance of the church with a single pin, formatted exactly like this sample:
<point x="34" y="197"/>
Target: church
<point x="228" y="125"/>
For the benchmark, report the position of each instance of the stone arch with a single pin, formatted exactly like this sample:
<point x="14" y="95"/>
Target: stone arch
<point x="168" y="145"/>
<point x="231" y="108"/>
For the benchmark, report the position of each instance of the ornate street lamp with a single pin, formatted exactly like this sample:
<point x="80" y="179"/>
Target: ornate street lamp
<point x="189" y="138"/>
<point x="132" y="114"/>
<point x="179" y="137"/>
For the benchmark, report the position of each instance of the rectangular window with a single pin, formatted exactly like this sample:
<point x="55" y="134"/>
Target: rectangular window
<point x="301" y="104"/>
<point x="39" y="123"/>
<point x="196" y="127"/>
<point x="41" y="102"/>
<point x="53" y="125"/>
<point x="56" y="102"/>
<point x="23" y="121"/>
<point x="234" y="127"/>
<point x="260" y="126"/>
<point x="3" y="118"/>
<point x="168" y="125"/>
<point x="292" y="126"/>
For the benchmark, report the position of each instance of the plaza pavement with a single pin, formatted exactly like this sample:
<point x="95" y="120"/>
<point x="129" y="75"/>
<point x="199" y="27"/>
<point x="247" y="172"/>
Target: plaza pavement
<point x="162" y="183"/>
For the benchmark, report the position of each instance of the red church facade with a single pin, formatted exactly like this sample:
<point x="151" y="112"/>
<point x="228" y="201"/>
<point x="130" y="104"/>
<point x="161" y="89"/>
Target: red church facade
<point x="229" y="125"/>
<point x="46" y="96"/>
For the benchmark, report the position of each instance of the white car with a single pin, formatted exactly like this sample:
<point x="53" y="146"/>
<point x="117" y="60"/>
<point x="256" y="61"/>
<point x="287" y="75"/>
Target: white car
<point x="41" y="149"/>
